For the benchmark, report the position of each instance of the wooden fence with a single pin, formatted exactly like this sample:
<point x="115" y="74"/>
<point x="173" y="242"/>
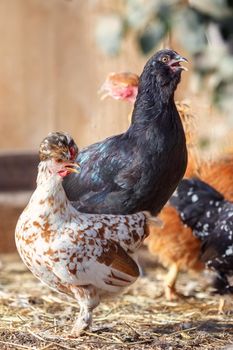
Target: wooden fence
<point x="51" y="70"/>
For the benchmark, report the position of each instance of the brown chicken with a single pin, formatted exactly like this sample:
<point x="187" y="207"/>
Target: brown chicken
<point x="219" y="174"/>
<point x="174" y="244"/>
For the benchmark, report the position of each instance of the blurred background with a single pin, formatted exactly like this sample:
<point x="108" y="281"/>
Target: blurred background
<point x="55" y="55"/>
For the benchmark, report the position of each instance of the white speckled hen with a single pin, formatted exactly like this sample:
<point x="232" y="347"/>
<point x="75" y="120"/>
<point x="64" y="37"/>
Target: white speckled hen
<point x="210" y="217"/>
<point x="86" y="256"/>
<point x="139" y="169"/>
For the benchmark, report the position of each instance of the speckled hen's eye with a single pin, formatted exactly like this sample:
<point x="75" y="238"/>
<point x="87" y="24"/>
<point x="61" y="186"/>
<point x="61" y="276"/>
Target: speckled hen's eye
<point x="165" y="59"/>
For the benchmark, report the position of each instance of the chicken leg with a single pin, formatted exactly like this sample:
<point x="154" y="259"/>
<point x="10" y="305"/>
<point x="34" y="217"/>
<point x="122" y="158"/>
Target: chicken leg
<point x="88" y="300"/>
<point x="170" y="281"/>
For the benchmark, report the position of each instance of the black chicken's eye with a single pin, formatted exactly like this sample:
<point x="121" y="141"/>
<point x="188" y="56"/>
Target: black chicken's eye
<point x="165" y="59"/>
<point x="59" y="160"/>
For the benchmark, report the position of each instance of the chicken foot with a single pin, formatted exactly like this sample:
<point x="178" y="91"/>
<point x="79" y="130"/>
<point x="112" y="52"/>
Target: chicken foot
<point x="88" y="300"/>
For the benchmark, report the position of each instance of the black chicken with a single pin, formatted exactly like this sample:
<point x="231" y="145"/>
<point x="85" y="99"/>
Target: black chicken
<point x="139" y="169"/>
<point x="210" y="217"/>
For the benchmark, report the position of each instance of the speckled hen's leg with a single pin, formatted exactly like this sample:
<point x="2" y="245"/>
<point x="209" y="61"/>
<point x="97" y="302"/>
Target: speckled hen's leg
<point x="88" y="299"/>
<point x="170" y="281"/>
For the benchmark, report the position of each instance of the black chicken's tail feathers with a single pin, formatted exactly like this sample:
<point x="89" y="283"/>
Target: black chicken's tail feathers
<point x="193" y="200"/>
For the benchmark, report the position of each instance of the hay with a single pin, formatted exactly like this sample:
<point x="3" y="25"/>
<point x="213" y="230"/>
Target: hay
<point x="33" y="317"/>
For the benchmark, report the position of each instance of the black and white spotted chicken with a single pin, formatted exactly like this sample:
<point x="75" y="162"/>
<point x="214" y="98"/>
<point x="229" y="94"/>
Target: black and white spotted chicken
<point x="210" y="217"/>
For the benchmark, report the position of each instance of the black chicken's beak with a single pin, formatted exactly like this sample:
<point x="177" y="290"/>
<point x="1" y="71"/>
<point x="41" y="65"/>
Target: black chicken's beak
<point x="73" y="167"/>
<point x="180" y="58"/>
<point x="175" y="63"/>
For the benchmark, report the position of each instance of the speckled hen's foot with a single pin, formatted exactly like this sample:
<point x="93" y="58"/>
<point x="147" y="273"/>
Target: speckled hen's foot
<point x="80" y="326"/>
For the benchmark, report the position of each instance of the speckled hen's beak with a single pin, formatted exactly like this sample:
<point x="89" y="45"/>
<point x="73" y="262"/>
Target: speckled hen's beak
<point x="73" y="167"/>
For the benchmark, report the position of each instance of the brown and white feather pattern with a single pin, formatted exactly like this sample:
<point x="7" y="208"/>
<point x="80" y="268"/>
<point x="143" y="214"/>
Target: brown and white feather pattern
<point x="65" y="248"/>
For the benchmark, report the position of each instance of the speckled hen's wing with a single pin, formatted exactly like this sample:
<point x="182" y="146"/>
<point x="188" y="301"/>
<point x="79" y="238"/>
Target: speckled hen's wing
<point x="107" y="266"/>
<point x="115" y="269"/>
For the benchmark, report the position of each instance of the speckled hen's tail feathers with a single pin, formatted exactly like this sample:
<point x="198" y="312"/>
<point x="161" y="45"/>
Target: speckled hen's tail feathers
<point x="193" y="199"/>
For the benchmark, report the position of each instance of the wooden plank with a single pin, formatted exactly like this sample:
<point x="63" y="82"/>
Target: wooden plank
<point x="18" y="172"/>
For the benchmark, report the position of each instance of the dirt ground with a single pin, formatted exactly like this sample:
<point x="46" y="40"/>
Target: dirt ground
<point x="33" y="317"/>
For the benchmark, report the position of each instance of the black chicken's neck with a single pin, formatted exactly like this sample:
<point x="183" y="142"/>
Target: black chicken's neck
<point x="153" y="99"/>
<point x="150" y="109"/>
